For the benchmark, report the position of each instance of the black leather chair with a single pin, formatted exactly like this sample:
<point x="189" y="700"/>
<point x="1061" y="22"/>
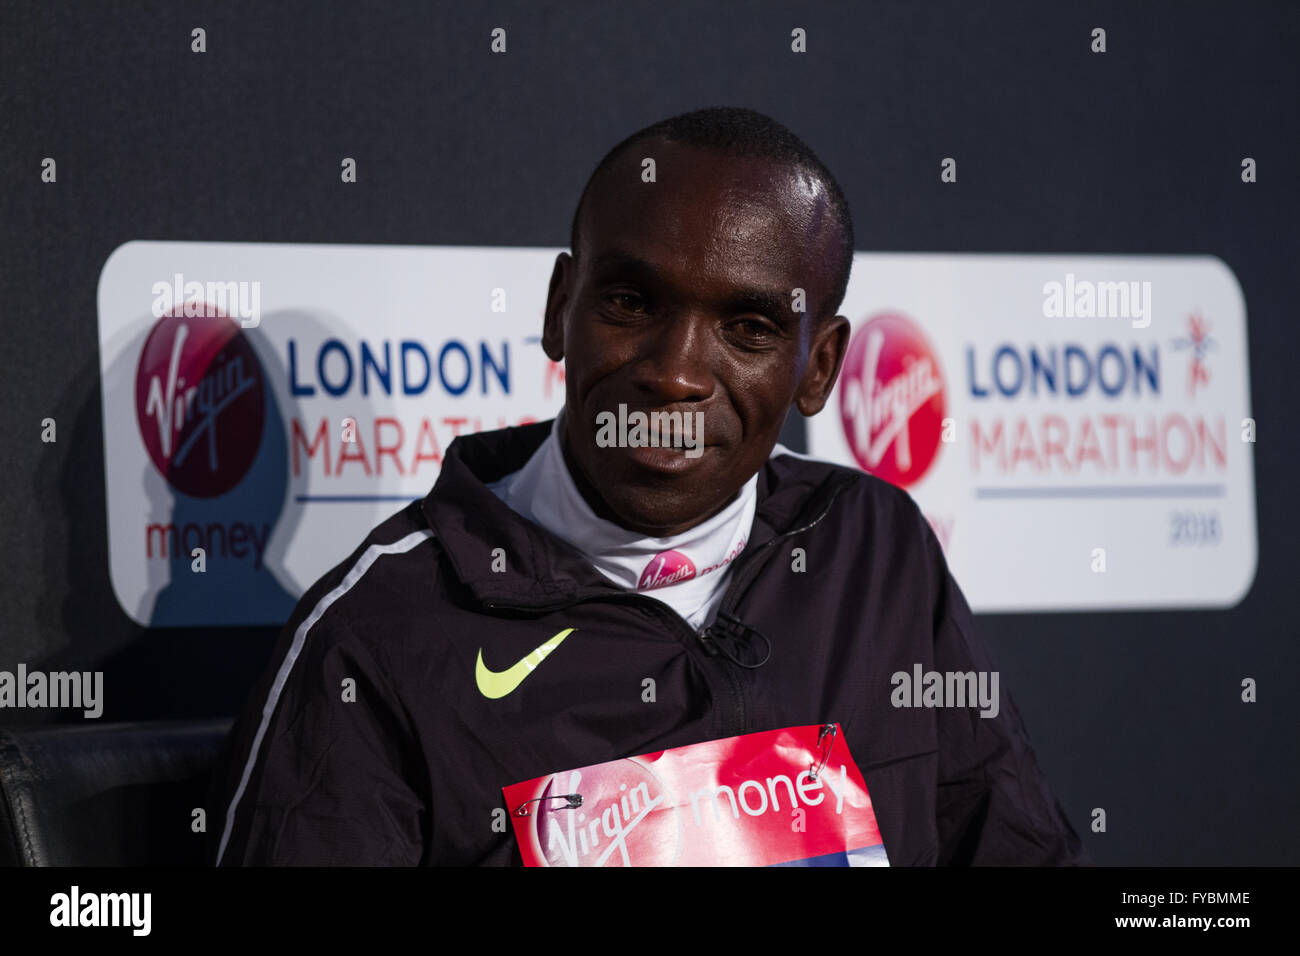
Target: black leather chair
<point x="107" y="795"/>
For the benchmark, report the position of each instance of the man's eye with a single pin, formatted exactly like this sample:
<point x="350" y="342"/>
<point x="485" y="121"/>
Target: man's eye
<point x="753" y="329"/>
<point x="627" y="301"/>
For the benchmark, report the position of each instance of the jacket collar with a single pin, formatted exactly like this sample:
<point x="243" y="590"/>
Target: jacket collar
<point x="542" y="570"/>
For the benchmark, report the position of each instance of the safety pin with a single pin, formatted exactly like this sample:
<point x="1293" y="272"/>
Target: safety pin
<point x="826" y="754"/>
<point x="573" y="801"/>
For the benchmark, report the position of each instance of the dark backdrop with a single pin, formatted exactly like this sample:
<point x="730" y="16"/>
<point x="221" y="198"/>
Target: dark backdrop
<point x="1059" y="150"/>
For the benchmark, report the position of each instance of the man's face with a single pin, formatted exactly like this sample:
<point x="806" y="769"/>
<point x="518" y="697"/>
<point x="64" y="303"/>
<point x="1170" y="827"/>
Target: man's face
<point x="682" y="300"/>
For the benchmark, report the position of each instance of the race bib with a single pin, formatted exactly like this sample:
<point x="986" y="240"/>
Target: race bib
<point x="791" y="797"/>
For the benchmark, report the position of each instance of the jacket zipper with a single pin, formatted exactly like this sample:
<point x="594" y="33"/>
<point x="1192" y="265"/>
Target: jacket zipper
<point x="755" y="562"/>
<point x="731" y="599"/>
<point x="733" y="724"/>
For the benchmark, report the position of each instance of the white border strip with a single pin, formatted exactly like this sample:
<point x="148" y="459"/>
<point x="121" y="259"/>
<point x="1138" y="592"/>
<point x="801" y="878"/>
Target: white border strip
<point x="363" y="564"/>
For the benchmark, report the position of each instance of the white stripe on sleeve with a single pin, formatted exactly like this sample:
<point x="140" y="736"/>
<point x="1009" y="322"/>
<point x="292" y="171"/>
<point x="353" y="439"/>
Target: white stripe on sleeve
<point x="371" y="555"/>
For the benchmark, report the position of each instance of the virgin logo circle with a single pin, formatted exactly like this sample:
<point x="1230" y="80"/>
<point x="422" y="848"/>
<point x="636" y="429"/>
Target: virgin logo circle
<point x="200" y="402"/>
<point x="892" y="402"/>
<point x="665" y="568"/>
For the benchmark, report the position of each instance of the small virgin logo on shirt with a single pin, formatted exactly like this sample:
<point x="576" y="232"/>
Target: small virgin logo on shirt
<point x="665" y="568"/>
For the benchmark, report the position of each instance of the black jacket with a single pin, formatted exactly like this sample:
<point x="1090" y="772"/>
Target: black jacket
<point x="409" y="770"/>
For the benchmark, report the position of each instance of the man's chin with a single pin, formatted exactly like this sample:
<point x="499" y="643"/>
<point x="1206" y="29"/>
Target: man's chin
<point x="656" y="522"/>
<point x="655" y="491"/>
<point x="660" y="505"/>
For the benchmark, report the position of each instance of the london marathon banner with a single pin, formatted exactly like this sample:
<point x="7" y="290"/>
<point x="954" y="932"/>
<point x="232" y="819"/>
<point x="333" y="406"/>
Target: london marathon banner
<point x="265" y="405"/>
<point x="1077" y="429"/>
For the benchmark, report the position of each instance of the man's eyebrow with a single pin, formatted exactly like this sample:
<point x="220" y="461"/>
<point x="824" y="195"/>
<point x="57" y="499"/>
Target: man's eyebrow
<point x="618" y="259"/>
<point x="772" y="304"/>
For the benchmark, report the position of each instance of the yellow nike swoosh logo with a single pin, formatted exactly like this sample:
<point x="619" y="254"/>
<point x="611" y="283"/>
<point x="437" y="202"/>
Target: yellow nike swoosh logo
<point x="496" y="684"/>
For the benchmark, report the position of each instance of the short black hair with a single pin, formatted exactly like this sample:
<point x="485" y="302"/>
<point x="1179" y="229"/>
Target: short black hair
<point x="736" y="131"/>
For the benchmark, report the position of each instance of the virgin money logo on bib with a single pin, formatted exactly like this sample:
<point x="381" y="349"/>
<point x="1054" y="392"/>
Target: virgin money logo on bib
<point x="199" y="402"/>
<point x="892" y="400"/>
<point x="665" y="568"/>
<point x="617" y="797"/>
<point x="788" y="797"/>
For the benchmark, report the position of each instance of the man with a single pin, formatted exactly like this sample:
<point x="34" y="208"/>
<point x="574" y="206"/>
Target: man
<point x="505" y="626"/>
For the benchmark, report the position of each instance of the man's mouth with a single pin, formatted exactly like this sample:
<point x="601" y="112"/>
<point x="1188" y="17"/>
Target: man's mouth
<point x="658" y="439"/>
<point x="666" y="460"/>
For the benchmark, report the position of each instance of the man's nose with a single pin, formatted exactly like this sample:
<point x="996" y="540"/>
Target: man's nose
<point x="675" y="362"/>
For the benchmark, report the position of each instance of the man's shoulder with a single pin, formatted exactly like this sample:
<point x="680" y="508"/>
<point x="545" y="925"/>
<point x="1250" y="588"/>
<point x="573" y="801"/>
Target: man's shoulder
<point x="380" y="571"/>
<point x="853" y="489"/>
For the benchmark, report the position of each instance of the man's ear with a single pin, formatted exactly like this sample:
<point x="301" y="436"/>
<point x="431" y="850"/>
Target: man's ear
<point x="557" y="297"/>
<point x="825" y="355"/>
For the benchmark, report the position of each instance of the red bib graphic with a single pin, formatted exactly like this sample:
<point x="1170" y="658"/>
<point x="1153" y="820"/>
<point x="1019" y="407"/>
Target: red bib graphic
<point x="791" y="797"/>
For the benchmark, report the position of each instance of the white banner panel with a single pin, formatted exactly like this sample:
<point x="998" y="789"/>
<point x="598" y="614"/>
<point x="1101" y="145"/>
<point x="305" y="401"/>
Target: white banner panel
<point x="1076" y="428"/>
<point x="319" y="391"/>
<point x="321" y="399"/>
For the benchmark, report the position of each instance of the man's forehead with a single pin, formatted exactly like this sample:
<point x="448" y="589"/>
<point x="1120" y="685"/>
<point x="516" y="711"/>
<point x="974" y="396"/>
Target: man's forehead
<point x="753" y="219"/>
<point x="711" y="184"/>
